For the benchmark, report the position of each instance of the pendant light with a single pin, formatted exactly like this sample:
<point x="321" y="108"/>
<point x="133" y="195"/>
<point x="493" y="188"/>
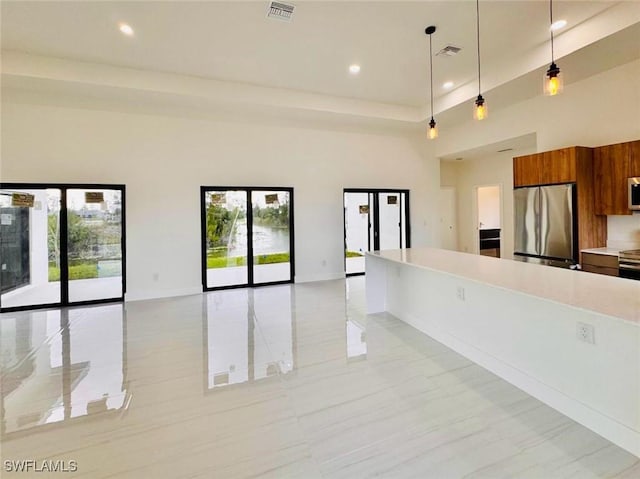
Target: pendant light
<point x="433" y="129"/>
<point x="480" y="111"/>
<point x="553" y="78"/>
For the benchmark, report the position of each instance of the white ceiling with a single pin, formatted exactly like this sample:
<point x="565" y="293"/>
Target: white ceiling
<point x="234" y="41"/>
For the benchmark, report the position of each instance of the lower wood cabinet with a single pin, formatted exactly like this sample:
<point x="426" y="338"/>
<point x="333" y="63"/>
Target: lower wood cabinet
<point x="600" y="263"/>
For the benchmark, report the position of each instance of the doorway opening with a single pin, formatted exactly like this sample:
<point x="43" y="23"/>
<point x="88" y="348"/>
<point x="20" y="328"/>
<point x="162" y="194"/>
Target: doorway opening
<point x="488" y="220"/>
<point x="61" y="245"/>
<point x="374" y="219"/>
<point x="247" y="236"/>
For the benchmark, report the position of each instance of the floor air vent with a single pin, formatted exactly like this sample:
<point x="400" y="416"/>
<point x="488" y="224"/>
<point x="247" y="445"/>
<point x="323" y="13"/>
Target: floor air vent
<point x="280" y="11"/>
<point x="449" y="51"/>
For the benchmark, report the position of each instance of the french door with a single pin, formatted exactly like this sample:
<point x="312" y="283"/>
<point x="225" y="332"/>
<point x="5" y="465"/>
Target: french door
<point x="61" y="245"/>
<point x="374" y="219"/>
<point x="247" y="236"/>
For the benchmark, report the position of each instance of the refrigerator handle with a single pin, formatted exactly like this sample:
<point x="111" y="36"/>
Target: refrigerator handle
<point x="538" y="219"/>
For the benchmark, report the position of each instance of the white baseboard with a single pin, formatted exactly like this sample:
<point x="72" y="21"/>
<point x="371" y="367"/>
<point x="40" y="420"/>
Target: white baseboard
<point x="601" y="424"/>
<point x="158" y="294"/>
<point x="319" y="277"/>
<point x="170" y="293"/>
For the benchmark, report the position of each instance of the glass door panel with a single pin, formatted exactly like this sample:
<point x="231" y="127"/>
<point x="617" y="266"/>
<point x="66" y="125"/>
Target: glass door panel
<point x="374" y="220"/>
<point x="389" y="218"/>
<point x="226" y="236"/>
<point x="94" y="244"/>
<point x="357" y="212"/>
<point x="271" y="238"/>
<point x="30" y="248"/>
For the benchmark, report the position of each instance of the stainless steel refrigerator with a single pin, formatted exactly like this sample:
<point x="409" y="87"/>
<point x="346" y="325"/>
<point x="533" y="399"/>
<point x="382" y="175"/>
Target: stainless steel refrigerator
<point x="545" y="225"/>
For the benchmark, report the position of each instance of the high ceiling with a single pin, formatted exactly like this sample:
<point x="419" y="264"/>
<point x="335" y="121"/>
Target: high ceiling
<point x="234" y="41"/>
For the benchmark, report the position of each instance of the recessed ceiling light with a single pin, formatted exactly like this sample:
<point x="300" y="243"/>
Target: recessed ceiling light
<point x="354" y="69"/>
<point x="447" y="85"/>
<point x="558" y="25"/>
<point x="126" y="29"/>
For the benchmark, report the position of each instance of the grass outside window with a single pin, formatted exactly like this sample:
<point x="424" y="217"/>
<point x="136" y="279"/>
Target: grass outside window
<point x="218" y="260"/>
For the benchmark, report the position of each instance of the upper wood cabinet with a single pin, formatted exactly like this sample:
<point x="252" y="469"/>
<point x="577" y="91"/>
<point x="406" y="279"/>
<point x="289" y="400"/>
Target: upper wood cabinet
<point x="527" y="170"/>
<point x="550" y="167"/>
<point x="612" y="166"/>
<point x="634" y="158"/>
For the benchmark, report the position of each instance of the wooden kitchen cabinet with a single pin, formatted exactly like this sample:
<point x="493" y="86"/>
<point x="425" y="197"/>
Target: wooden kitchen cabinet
<point x="550" y="167"/>
<point x="559" y="166"/>
<point x="600" y="263"/>
<point x="634" y="158"/>
<point x="612" y="166"/>
<point x="527" y="170"/>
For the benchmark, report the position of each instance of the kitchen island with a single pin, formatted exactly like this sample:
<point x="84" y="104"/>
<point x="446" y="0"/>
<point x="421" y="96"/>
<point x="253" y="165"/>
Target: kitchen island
<point x="568" y="338"/>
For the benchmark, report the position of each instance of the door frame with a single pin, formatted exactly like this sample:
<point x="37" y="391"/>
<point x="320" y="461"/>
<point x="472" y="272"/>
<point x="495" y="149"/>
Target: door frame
<point x="203" y="242"/>
<point x="64" y="260"/>
<point x="476" y="215"/>
<point x="376" y="219"/>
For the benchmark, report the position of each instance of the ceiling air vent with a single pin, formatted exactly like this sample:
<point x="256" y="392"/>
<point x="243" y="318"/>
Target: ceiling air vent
<point x="280" y="11"/>
<point x="449" y="51"/>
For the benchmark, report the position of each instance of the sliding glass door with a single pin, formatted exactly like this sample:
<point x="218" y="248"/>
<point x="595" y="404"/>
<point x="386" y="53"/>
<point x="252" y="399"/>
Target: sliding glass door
<point x="94" y="243"/>
<point x="358" y="231"/>
<point x="271" y="236"/>
<point x="374" y="220"/>
<point x="390" y="221"/>
<point x="247" y="236"/>
<point x="29" y="247"/>
<point x="225" y="238"/>
<point x="61" y="245"/>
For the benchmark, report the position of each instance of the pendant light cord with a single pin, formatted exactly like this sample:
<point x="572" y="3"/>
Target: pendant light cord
<point x="478" y="37"/>
<point x="431" y="73"/>
<point x="551" y="29"/>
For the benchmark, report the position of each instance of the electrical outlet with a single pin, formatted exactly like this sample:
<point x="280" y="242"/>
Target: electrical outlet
<point x="460" y="293"/>
<point x="585" y="332"/>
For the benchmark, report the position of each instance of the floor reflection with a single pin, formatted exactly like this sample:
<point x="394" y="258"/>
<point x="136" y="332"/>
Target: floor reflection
<point x="356" y="337"/>
<point x="60" y="365"/>
<point x="356" y="340"/>
<point x="250" y="335"/>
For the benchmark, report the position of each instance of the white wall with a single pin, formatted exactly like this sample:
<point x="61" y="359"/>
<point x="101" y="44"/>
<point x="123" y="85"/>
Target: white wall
<point x="489" y="206"/>
<point x="623" y="231"/>
<point x="163" y="161"/>
<point x="600" y="110"/>
<point x="448" y="173"/>
<point x="495" y="170"/>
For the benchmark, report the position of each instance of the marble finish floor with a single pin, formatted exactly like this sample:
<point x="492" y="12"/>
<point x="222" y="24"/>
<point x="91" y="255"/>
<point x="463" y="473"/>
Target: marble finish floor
<point x="290" y="381"/>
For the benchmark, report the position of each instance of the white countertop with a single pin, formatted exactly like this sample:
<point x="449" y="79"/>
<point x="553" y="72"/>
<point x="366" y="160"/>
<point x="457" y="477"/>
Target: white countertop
<point x="609" y="295"/>
<point x="606" y="251"/>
